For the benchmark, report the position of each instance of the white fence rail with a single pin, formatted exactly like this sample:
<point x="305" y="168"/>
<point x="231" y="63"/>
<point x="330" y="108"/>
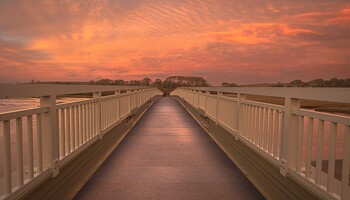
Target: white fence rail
<point x="45" y="138"/>
<point x="311" y="147"/>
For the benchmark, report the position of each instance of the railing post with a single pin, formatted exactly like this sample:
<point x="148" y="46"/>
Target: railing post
<point x="98" y="114"/>
<point x="50" y="145"/>
<point x="239" y="113"/>
<point x="288" y="155"/>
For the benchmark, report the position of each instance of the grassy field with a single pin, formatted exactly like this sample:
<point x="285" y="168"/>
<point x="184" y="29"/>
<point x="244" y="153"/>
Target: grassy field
<point x="321" y="106"/>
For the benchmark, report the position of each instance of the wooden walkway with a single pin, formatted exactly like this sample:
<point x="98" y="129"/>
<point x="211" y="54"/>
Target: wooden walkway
<point x="167" y="155"/>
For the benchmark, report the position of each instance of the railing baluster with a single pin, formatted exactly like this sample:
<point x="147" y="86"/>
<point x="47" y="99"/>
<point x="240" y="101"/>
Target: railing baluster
<point x="63" y="134"/>
<point x="270" y="135"/>
<point x="309" y="147"/>
<point x="77" y="126"/>
<point x="266" y="135"/>
<point x="300" y="143"/>
<point x="110" y="112"/>
<point x="260" y="127"/>
<point x="85" y="124"/>
<point x="281" y="135"/>
<point x="245" y="115"/>
<point x="19" y="145"/>
<point x="86" y="121"/>
<point x="250" y="122"/>
<point x="256" y="126"/>
<point x="7" y="157"/>
<point x="247" y="123"/>
<point x="72" y="139"/>
<point x="102" y="114"/>
<point x="275" y="141"/>
<point x="68" y="133"/>
<point x="90" y="121"/>
<point x="331" y="158"/>
<point x="81" y="125"/>
<point x="39" y="142"/>
<point x="319" y="152"/>
<point x="30" y="147"/>
<point x="93" y="121"/>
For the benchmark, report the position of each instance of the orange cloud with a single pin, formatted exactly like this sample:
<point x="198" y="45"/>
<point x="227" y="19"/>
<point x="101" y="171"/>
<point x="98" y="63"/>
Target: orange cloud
<point x="88" y="39"/>
<point x="256" y="33"/>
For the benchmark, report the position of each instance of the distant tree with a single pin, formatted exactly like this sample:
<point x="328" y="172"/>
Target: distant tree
<point x="279" y="84"/>
<point x="146" y="82"/>
<point x="183" y="81"/>
<point x="135" y="83"/>
<point x="104" y="82"/>
<point x="158" y="82"/>
<point x="316" y="83"/>
<point x="224" y="84"/>
<point x="119" y="82"/>
<point x="347" y="82"/>
<point x="297" y="83"/>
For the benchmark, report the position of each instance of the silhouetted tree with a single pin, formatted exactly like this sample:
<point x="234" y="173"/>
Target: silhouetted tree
<point x="278" y="85"/>
<point x="119" y="82"/>
<point x="316" y="83"/>
<point x="183" y="81"/>
<point x="297" y="83"/>
<point x="146" y="82"/>
<point x="158" y="82"/>
<point x="224" y="84"/>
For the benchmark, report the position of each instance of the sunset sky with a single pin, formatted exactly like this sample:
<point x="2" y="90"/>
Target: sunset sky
<point x="249" y="41"/>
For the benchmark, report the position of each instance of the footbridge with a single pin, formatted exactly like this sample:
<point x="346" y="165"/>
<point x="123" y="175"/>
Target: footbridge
<point x="200" y="143"/>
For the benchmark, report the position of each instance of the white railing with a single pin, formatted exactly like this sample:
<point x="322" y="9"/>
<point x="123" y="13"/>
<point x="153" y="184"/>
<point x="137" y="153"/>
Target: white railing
<point x="311" y="147"/>
<point x="53" y="134"/>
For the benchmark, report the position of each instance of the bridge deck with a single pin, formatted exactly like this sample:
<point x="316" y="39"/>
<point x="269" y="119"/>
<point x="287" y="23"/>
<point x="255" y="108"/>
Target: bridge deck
<point x="167" y="155"/>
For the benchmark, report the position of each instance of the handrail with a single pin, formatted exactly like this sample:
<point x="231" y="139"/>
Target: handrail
<point x="11" y="91"/>
<point x="340" y="95"/>
<point x="285" y="133"/>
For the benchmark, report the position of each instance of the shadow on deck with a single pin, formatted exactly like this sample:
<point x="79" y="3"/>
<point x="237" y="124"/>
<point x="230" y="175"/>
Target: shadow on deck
<point x="167" y="155"/>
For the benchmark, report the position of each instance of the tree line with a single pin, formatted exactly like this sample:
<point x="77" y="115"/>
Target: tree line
<point x="169" y="82"/>
<point x="172" y="82"/>
<point x="333" y="82"/>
